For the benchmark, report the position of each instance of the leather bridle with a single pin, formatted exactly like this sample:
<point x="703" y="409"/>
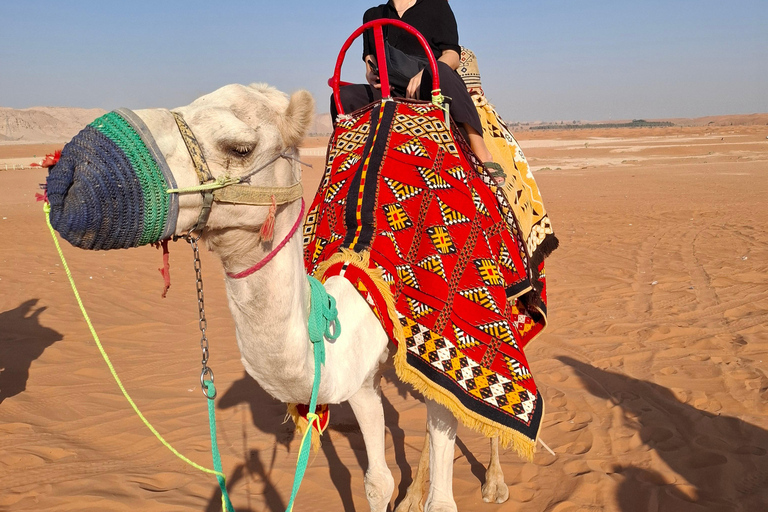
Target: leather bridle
<point x="226" y="189"/>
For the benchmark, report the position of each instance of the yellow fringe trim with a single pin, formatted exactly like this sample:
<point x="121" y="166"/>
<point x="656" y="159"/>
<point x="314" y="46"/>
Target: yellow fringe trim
<point x="301" y="426"/>
<point x="362" y="260"/>
<point x="508" y="437"/>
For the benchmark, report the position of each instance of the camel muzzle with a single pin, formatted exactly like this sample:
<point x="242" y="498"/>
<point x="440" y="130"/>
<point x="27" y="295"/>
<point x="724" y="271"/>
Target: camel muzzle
<point x="109" y="189"/>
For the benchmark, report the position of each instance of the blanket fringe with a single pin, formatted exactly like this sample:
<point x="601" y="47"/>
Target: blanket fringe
<point x="361" y="260"/>
<point x="508" y="438"/>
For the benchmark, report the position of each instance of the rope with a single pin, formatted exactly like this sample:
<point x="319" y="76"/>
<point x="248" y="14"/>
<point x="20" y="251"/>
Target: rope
<point x="322" y="314"/>
<point x="268" y="257"/>
<point x="225" y="503"/>
<point x="211" y="392"/>
<point x="220" y="182"/>
<point x="438" y="100"/>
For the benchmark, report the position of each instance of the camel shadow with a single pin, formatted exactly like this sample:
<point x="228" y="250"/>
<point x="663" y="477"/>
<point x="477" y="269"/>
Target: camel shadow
<point x="252" y="467"/>
<point x="268" y="416"/>
<point x="22" y="340"/>
<point x="723" y="461"/>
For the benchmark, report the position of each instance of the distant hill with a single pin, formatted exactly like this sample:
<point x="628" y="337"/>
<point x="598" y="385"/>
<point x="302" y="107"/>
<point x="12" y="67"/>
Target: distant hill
<point x="60" y="124"/>
<point x="730" y="120"/>
<point x="322" y="125"/>
<point x="44" y="124"/>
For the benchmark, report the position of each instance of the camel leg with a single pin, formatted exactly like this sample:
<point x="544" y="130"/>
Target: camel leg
<point x="494" y="489"/>
<point x="441" y="424"/>
<point x="415" y="493"/>
<point x="366" y="404"/>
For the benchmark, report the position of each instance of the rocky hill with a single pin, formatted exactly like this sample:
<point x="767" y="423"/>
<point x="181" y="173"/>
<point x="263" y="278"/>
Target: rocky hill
<point x="60" y="124"/>
<point x="44" y="124"/>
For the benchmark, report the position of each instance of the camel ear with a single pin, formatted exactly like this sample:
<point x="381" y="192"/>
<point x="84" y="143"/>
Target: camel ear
<point x="297" y="118"/>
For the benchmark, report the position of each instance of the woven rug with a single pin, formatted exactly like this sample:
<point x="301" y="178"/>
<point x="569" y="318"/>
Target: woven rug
<point x="411" y="219"/>
<point x="520" y="187"/>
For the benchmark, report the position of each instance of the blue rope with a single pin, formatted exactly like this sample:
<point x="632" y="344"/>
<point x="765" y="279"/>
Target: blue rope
<point x="322" y="314"/>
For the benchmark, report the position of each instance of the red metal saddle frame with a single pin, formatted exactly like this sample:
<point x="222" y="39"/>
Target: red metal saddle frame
<point x="335" y="81"/>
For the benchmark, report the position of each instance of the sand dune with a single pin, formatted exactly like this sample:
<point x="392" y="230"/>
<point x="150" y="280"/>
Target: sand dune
<point x="653" y="368"/>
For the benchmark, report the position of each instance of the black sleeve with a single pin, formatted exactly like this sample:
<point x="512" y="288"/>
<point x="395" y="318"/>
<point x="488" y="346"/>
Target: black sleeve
<point x="374" y="13"/>
<point x="447" y="33"/>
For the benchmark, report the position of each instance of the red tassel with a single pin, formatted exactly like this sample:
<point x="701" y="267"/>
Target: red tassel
<point x="321" y="410"/>
<point x="268" y="228"/>
<point x="166" y="270"/>
<point x="51" y="160"/>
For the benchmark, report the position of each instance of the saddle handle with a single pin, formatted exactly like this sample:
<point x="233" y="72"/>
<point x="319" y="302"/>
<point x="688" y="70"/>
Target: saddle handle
<point x="378" y="35"/>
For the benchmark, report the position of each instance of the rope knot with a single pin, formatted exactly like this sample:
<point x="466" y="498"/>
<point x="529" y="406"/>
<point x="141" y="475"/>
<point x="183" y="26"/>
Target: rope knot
<point x="322" y="314"/>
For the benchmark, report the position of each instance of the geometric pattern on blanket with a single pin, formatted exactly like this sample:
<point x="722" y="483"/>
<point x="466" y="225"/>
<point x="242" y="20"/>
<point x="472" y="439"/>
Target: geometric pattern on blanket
<point x="413" y="224"/>
<point x="520" y="188"/>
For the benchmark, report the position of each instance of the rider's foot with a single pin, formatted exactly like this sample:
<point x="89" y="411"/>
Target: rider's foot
<point x="496" y="171"/>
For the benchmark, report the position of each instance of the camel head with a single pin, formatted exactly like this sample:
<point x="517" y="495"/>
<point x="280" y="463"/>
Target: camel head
<point x="110" y="188"/>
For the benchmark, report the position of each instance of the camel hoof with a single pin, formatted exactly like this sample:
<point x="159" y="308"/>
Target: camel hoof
<point x="495" y="491"/>
<point x="410" y="504"/>
<point x="442" y="507"/>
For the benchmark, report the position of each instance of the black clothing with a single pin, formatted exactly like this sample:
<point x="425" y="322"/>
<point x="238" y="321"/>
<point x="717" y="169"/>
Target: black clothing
<point x="433" y="18"/>
<point x="356" y="96"/>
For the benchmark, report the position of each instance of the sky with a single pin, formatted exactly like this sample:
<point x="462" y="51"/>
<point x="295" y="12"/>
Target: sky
<point x="540" y="60"/>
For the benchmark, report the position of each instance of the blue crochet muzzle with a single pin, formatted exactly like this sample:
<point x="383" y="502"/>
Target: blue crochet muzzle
<point x="109" y="189"/>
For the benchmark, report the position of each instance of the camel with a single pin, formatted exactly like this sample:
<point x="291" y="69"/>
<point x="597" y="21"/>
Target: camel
<point x="241" y="129"/>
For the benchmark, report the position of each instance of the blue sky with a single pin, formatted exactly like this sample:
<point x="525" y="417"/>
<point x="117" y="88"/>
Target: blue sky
<point x="540" y="59"/>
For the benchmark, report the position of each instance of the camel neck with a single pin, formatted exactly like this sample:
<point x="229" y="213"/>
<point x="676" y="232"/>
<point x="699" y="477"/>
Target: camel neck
<point x="270" y="308"/>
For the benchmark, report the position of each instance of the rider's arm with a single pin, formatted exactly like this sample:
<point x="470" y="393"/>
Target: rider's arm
<point x="372" y="71"/>
<point x="451" y="58"/>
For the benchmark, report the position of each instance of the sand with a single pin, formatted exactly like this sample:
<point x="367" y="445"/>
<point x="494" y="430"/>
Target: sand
<point x="653" y="367"/>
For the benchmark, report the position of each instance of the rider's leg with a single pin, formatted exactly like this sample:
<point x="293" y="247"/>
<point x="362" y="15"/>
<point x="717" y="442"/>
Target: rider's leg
<point x="477" y="143"/>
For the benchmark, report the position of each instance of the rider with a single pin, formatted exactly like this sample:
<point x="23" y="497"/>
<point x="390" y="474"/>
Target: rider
<point x="436" y="22"/>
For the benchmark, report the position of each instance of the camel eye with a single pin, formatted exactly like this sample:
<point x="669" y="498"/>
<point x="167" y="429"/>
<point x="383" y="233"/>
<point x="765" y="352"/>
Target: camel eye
<point x="242" y="150"/>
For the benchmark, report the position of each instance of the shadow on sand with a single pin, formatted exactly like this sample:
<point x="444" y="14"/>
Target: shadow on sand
<point x="722" y="458"/>
<point x="268" y="416"/>
<point x="22" y="340"/>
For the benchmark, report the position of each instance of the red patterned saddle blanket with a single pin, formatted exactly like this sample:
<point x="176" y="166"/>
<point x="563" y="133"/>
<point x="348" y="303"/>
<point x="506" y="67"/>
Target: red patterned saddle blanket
<point x="408" y="215"/>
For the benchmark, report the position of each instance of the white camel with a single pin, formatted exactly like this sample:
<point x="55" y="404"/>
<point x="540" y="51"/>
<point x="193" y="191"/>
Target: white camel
<point x="239" y="129"/>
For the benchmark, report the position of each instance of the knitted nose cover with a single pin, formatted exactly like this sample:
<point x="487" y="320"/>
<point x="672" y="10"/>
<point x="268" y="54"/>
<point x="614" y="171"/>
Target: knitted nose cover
<point x="108" y="190"/>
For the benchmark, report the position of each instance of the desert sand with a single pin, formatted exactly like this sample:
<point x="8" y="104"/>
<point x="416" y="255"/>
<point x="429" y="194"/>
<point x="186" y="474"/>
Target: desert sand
<point x="653" y="368"/>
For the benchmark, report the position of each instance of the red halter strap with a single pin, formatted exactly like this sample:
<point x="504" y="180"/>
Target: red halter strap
<point x="268" y="258"/>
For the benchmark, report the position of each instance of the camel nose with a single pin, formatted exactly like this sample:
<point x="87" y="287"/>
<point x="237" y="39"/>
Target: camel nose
<point x="108" y="190"/>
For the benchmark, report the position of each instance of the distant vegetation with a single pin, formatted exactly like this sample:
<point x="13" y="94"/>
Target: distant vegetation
<point x="576" y="125"/>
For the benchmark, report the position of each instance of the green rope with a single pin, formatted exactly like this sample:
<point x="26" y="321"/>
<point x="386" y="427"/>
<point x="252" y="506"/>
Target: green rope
<point x="226" y="505"/>
<point x="322" y="314"/>
<point x="211" y="391"/>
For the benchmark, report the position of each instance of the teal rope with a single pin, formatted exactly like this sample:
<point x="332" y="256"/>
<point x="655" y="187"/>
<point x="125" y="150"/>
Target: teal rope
<point x="322" y="314"/>
<point x="211" y="390"/>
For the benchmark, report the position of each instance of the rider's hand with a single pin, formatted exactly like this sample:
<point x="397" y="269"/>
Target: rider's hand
<point x="413" y="86"/>
<point x="372" y="76"/>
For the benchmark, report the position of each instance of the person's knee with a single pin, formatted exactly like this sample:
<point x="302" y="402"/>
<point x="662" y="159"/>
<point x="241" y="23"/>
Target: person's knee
<point x="353" y="97"/>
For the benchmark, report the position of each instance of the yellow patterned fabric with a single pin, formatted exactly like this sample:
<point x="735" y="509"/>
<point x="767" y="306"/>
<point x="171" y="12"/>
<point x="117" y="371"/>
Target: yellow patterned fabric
<point x="520" y="187"/>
